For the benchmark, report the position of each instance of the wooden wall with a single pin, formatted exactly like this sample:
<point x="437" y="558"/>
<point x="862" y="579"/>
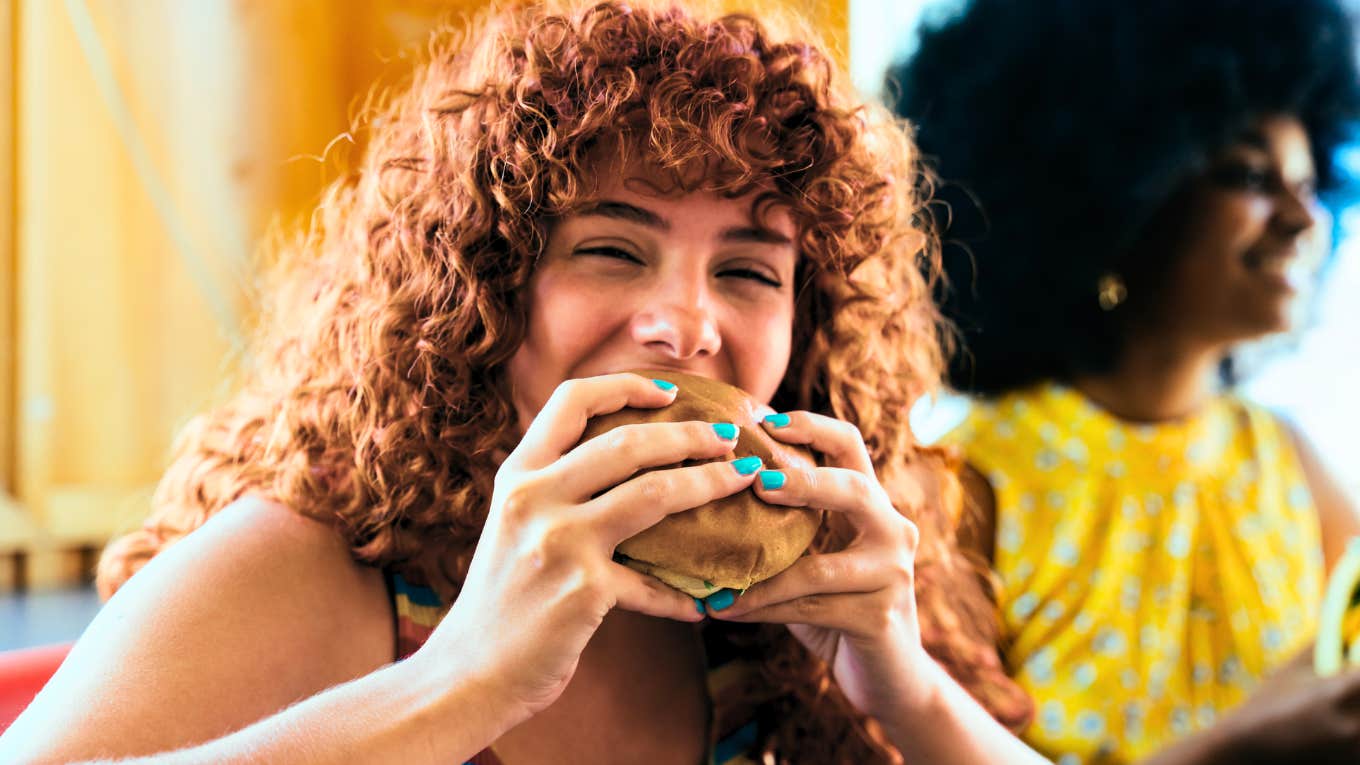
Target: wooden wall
<point x="7" y="250"/>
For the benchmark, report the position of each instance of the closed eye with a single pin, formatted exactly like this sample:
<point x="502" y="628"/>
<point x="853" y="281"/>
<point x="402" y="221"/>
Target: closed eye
<point x="616" y="253"/>
<point x="1243" y="176"/>
<point x="609" y="252"/>
<point x="746" y="273"/>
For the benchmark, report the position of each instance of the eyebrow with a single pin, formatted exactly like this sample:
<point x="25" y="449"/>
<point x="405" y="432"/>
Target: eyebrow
<point x="625" y="212"/>
<point x="608" y="208"/>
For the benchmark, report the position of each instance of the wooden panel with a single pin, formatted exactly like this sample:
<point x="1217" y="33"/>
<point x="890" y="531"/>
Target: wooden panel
<point x="76" y="378"/>
<point x="156" y="143"/>
<point x="7" y="246"/>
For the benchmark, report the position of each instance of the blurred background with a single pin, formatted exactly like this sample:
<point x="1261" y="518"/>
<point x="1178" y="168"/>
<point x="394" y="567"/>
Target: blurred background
<point x="146" y="148"/>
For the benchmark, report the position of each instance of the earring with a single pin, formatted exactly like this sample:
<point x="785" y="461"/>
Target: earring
<point x="1111" y="291"/>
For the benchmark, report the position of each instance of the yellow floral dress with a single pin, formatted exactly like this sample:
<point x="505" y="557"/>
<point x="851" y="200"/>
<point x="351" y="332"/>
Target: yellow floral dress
<point x="1150" y="574"/>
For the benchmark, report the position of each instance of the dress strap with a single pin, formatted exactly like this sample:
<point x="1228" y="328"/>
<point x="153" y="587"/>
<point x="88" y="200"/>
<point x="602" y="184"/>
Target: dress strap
<point x="416" y="609"/>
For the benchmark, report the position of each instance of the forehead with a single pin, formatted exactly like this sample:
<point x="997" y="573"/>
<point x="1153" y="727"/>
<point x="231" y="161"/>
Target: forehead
<point x="694" y="190"/>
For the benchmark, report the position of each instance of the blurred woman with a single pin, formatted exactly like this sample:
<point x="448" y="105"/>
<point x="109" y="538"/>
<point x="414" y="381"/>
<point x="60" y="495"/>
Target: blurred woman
<point x="1129" y="193"/>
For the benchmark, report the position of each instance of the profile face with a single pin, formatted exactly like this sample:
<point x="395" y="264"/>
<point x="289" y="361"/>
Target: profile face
<point x="1242" y="248"/>
<point x="637" y="278"/>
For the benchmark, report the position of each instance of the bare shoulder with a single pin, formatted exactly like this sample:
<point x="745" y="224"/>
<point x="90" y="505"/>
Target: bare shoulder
<point x="257" y="609"/>
<point x="1338" y="514"/>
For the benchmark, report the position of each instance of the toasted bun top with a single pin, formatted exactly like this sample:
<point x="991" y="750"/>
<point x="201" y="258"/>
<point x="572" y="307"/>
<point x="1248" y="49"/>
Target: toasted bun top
<point x="735" y="541"/>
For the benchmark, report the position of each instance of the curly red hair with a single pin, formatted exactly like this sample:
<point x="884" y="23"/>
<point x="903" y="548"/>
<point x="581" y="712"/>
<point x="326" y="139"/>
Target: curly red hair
<point x="377" y="400"/>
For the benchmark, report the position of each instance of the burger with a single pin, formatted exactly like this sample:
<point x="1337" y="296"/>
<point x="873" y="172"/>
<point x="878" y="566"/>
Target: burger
<point x="732" y="542"/>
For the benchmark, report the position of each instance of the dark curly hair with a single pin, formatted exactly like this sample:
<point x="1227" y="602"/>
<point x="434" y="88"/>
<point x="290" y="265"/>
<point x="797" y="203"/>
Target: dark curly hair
<point x="1059" y="128"/>
<point x="378" y="400"/>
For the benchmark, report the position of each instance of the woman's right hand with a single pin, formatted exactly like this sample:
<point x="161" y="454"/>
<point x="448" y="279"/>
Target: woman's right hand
<point x="1293" y="716"/>
<point x="543" y="576"/>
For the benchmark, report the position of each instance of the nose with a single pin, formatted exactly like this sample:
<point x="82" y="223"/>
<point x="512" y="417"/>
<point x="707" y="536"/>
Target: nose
<point x="1294" y="211"/>
<point x="679" y="323"/>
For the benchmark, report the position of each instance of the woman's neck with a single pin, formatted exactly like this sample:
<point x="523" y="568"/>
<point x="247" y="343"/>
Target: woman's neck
<point x="1154" y="382"/>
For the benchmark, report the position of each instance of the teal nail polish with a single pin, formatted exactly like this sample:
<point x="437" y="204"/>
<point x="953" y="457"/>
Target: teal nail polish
<point x="699" y="604"/>
<point x="666" y="385"/>
<point x="720" y="600"/>
<point x="771" y="480"/>
<point x="746" y="465"/>
<point x="777" y="420"/>
<point x="725" y="430"/>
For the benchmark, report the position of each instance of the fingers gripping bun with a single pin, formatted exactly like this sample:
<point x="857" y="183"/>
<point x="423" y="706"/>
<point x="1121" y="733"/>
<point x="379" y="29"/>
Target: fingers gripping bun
<point x="732" y="542"/>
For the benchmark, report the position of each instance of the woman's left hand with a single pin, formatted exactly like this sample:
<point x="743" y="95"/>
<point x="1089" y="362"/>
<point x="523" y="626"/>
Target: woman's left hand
<point x="855" y="608"/>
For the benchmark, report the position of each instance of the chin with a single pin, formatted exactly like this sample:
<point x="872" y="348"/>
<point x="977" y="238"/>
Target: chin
<point x="1261" y="326"/>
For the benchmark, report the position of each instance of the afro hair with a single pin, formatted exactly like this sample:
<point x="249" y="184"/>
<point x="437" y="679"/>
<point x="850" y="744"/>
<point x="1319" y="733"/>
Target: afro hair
<point x="1058" y="128"/>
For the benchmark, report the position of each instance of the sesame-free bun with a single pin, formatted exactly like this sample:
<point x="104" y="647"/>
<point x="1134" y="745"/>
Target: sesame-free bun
<point x="732" y="542"/>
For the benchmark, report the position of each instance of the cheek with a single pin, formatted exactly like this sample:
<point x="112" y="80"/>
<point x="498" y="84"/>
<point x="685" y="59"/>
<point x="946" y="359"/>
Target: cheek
<point x="1211" y="250"/>
<point x="1245" y="223"/>
<point x="565" y="322"/>
<point x="759" y="346"/>
<point x="1228" y="227"/>
<point x="569" y="314"/>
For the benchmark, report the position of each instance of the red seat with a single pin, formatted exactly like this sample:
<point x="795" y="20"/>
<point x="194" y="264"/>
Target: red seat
<point x="23" y="673"/>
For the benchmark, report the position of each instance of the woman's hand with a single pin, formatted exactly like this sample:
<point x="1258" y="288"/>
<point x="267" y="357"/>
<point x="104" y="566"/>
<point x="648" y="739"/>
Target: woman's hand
<point x="855" y="608"/>
<point x="1294" y="716"/>
<point x="543" y="577"/>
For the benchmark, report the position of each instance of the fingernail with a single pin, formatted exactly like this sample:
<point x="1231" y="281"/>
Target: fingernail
<point x="771" y="480"/>
<point x="699" y="604"/>
<point x="725" y="430"/>
<point x="777" y="420"/>
<point x="720" y="600"/>
<point x="746" y="465"/>
<point x="665" y="385"/>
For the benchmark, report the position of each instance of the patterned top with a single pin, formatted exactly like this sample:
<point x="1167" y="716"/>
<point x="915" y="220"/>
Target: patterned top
<point x="734" y="729"/>
<point x="1150" y="574"/>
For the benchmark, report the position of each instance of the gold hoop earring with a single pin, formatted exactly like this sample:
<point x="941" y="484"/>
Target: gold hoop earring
<point x="1111" y="291"/>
